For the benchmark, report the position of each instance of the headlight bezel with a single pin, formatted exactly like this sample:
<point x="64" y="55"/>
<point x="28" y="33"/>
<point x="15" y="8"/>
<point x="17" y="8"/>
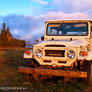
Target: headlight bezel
<point x="38" y="53"/>
<point x="71" y="54"/>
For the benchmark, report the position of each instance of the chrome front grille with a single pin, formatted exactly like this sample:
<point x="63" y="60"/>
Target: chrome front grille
<point x="55" y="53"/>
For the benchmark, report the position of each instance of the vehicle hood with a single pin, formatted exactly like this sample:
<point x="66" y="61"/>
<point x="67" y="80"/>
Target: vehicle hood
<point x="67" y="43"/>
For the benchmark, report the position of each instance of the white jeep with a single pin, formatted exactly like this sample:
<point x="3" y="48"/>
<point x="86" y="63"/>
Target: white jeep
<point x="66" y="44"/>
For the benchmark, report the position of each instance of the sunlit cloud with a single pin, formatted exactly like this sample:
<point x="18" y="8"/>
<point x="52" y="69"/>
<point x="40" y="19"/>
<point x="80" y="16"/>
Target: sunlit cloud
<point x="73" y="5"/>
<point x="41" y="2"/>
<point x="57" y="1"/>
<point x="61" y="15"/>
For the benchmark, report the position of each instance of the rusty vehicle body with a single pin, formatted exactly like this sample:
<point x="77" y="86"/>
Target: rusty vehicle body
<point x="66" y="51"/>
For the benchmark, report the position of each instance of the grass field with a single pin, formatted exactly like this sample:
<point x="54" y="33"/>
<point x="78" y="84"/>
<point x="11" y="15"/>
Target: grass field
<point x="10" y="59"/>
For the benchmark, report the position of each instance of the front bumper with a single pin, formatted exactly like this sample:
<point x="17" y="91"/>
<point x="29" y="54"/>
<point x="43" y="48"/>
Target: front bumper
<point x="52" y="72"/>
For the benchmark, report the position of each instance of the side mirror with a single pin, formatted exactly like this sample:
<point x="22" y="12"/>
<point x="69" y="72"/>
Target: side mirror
<point x="42" y="38"/>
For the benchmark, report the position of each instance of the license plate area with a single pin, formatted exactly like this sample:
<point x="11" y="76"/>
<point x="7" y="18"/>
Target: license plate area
<point x="55" y="53"/>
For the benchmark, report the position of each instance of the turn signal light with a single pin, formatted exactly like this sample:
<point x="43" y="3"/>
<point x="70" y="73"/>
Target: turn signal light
<point x="28" y="52"/>
<point x="83" y="53"/>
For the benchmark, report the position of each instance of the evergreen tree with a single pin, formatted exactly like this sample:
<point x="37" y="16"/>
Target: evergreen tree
<point x="6" y="39"/>
<point x="8" y="34"/>
<point x="4" y="27"/>
<point x="3" y="36"/>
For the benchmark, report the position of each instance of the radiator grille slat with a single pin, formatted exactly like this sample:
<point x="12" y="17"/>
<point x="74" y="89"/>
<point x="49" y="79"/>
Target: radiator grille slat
<point x="55" y="53"/>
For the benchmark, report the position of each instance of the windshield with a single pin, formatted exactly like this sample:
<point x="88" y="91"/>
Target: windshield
<point x="67" y="29"/>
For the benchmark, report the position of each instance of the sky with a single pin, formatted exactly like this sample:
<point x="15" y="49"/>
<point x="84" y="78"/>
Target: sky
<point x="26" y="18"/>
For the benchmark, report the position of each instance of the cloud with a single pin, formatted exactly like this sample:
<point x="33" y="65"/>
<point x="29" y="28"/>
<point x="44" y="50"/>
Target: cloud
<point x="73" y="5"/>
<point x="41" y="2"/>
<point x="32" y="27"/>
<point x="21" y="22"/>
<point x="23" y="25"/>
<point x="64" y="16"/>
<point x="15" y="31"/>
<point x="57" y="1"/>
<point x="80" y="5"/>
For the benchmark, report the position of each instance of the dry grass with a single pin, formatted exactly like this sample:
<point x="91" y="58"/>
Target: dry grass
<point x="10" y="59"/>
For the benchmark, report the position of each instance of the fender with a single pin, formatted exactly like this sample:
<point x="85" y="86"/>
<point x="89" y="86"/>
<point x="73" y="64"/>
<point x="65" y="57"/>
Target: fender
<point x="88" y="57"/>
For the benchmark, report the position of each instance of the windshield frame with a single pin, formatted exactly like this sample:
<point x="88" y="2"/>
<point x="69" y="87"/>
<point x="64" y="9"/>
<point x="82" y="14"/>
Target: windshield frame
<point x="68" y="23"/>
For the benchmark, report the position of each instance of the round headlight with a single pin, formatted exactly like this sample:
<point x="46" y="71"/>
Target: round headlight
<point x="39" y="53"/>
<point x="71" y="54"/>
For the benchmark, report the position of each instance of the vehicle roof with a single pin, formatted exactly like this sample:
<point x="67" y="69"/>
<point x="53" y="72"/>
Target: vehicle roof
<point x="68" y="21"/>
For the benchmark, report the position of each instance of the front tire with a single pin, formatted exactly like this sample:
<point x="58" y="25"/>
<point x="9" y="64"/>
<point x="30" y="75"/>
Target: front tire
<point x="87" y="68"/>
<point x="32" y="63"/>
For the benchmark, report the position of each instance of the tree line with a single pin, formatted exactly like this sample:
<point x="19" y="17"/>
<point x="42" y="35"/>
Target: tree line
<point x="7" y="40"/>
